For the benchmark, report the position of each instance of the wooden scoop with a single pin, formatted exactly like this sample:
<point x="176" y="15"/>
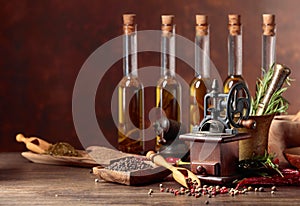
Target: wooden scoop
<point x="176" y="171"/>
<point x="34" y="144"/>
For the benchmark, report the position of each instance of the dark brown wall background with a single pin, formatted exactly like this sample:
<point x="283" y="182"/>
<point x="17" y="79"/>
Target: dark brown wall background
<point x="43" y="45"/>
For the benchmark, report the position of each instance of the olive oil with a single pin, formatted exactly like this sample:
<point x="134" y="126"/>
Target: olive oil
<point x="168" y="88"/>
<point x="168" y="93"/>
<point x="232" y="80"/>
<point x="130" y="94"/>
<point x="198" y="85"/>
<point x="130" y="127"/>
<point x="197" y="93"/>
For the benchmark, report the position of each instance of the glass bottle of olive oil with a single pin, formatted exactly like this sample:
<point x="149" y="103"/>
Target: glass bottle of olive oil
<point x="130" y="94"/>
<point x="268" y="42"/>
<point x="168" y="89"/>
<point x="235" y="68"/>
<point x="199" y="84"/>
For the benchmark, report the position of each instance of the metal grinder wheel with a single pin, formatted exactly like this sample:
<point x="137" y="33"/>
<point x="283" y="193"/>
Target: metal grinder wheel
<point x="238" y="104"/>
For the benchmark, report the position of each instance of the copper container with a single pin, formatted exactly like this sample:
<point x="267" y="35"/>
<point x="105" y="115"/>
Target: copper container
<point x="257" y="144"/>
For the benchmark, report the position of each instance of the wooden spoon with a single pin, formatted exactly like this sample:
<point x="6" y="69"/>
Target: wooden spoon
<point x="34" y="144"/>
<point x="177" y="175"/>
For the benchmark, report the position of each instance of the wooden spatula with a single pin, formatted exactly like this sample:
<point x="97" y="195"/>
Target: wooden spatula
<point x="176" y="171"/>
<point x="34" y="144"/>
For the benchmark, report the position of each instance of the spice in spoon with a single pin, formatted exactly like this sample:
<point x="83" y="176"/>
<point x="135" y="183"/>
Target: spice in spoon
<point x="63" y="149"/>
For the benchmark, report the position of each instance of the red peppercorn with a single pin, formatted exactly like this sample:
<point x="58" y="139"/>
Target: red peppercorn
<point x="223" y="191"/>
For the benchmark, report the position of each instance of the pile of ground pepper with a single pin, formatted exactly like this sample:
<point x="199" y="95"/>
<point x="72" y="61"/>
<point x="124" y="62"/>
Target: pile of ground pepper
<point x="63" y="149"/>
<point x="127" y="164"/>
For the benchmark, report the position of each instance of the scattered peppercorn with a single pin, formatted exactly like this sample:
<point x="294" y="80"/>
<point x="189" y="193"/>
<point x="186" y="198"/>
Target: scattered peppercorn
<point x="197" y="195"/>
<point x="250" y="188"/>
<point x="273" y="188"/>
<point x="206" y="202"/>
<point x="211" y="191"/>
<point x="150" y="192"/>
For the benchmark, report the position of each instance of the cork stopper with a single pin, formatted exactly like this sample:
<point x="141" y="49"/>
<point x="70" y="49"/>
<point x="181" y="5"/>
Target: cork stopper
<point x="268" y="25"/>
<point x="201" y="19"/>
<point x="167" y="19"/>
<point x="201" y="25"/>
<point x="167" y="22"/>
<point x="234" y="24"/>
<point x="128" y="23"/>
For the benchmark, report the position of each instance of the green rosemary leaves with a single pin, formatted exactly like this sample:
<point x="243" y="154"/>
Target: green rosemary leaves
<point x="277" y="103"/>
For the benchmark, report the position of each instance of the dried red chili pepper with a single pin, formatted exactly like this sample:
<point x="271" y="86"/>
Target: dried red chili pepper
<point x="290" y="177"/>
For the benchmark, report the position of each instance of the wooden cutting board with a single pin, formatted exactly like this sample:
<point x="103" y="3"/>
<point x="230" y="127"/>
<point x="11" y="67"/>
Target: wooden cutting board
<point x="84" y="161"/>
<point x="93" y="156"/>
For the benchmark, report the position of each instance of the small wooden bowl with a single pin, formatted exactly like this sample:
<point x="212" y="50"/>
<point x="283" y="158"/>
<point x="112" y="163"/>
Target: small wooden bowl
<point x="293" y="156"/>
<point x="284" y="133"/>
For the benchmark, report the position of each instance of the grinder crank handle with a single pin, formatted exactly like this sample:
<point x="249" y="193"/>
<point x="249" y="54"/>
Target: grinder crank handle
<point x="249" y="123"/>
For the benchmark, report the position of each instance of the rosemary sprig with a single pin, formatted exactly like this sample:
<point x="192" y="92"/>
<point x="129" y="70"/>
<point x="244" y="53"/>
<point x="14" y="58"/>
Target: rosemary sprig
<point x="267" y="162"/>
<point x="277" y="104"/>
<point x="257" y="164"/>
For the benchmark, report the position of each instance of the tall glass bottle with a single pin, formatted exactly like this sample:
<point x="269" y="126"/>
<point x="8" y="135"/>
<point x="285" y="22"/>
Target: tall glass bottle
<point x="235" y="49"/>
<point x="168" y="89"/>
<point x="268" y="42"/>
<point x="130" y="94"/>
<point x="200" y="82"/>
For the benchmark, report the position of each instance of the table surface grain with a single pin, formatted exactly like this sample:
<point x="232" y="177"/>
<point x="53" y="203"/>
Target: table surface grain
<point x="26" y="183"/>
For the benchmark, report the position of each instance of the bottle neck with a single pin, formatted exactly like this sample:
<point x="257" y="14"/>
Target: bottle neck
<point x="168" y="51"/>
<point x="202" y="56"/>
<point x="235" y="49"/>
<point x="130" y="51"/>
<point x="268" y="52"/>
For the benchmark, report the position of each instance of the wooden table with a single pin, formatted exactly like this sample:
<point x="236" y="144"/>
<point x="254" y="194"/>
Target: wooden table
<point x="25" y="183"/>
